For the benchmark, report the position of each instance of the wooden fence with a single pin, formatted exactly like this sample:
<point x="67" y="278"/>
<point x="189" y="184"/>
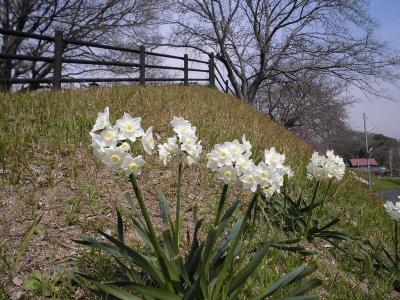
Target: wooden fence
<point x="58" y="60"/>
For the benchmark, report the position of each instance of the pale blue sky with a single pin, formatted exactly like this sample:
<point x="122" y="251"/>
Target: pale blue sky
<point x="382" y="114"/>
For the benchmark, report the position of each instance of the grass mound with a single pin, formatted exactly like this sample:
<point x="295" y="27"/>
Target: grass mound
<point x="47" y="170"/>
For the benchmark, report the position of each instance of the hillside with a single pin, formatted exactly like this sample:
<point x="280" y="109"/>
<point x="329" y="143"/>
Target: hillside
<point x="47" y="169"/>
<point x="381" y="144"/>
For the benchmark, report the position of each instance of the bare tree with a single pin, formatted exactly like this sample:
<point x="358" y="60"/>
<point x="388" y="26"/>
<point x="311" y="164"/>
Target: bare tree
<point x="314" y="109"/>
<point x="267" y="41"/>
<point x="111" y="21"/>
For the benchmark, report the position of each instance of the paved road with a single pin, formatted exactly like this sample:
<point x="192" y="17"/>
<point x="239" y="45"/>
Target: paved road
<point x="392" y="196"/>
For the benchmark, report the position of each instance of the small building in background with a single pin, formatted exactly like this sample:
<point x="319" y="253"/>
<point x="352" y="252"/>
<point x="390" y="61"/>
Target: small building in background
<point x="362" y="164"/>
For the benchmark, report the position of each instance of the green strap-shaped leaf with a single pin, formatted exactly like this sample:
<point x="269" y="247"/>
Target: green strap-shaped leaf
<point x="142" y="261"/>
<point x="330" y="224"/>
<point x="138" y="258"/>
<point x="151" y="291"/>
<point x="243" y="274"/>
<point x="164" y="208"/>
<point x="108" y="289"/>
<point x="120" y="227"/>
<point x="132" y="275"/>
<point x="305" y="288"/>
<point x="132" y="204"/>
<point x="171" y="249"/>
<point x="224" y="244"/>
<point x="194" y="247"/>
<point x="334" y="235"/>
<point x="296" y="249"/>
<point x="24" y="245"/>
<point x="229" y="212"/>
<point x="193" y="291"/>
<point x="293" y="276"/>
<point x="144" y="234"/>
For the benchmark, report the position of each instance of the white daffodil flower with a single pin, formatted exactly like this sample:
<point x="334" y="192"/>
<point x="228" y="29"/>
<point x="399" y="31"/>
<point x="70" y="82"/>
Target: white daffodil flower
<point x="98" y="152"/>
<point x="289" y="171"/>
<point x="227" y="174"/>
<point x="184" y="131"/>
<point x="130" y="127"/>
<point x="111" y="143"/>
<point x="185" y="142"/>
<point x="148" y="141"/>
<point x="264" y="174"/>
<point x="249" y="180"/>
<point x="179" y="121"/>
<point x="213" y="160"/>
<point x="244" y="165"/>
<point x="168" y="149"/>
<point x="133" y="165"/>
<point x="247" y="147"/>
<point x="188" y="142"/>
<point x="108" y="137"/>
<point x="273" y="158"/>
<point x="236" y="149"/>
<point x="102" y="121"/>
<point x="125" y="147"/>
<point x="268" y="174"/>
<point x="194" y="154"/>
<point x="322" y="167"/>
<point x="113" y="158"/>
<point x="223" y="154"/>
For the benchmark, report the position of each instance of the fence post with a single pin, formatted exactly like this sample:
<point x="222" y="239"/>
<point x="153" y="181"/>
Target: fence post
<point x="185" y="69"/>
<point x="211" y="71"/>
<point x="227" y="86"/>
<point x="57" y="63"/>
<point x="142" y="65"/>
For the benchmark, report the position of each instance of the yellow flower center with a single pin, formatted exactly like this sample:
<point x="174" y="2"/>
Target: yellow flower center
<point x="115" y="158"/>
<point x="237" y="149"/>
<point x="133" y="167"/>
<point x="264" y="174"/>
<point x="125" y="147"/>
<point x="108" y="135"/>
<point x="223" y="154"/>
<point x="228" y="174"/>
<point x="130" y="127"/>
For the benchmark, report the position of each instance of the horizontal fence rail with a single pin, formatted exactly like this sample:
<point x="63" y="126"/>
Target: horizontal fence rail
<point x="214" y="78"/>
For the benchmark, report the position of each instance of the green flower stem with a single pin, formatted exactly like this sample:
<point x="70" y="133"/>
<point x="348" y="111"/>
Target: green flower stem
<point x="230" y="254"/>
<point x="178" y="204"/>
<point x="309" y="215"/>
<point x="152" y="233"/>
<point x="212" y="237"/>
<point x="221" y="205"/>
<point x="326" y="192"/>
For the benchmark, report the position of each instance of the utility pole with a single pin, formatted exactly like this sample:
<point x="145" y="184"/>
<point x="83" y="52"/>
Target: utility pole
<point x="390" y="162"/>
<point x="367" y="149"/>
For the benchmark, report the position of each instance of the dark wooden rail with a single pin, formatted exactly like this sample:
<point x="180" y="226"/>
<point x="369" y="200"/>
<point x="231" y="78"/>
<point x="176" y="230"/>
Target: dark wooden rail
<point x="214" y="78"/>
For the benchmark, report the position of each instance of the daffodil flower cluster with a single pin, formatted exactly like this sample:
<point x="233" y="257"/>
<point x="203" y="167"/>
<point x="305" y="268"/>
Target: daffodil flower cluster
<point x="112" y="144"/>
<point x="184" y="142"/>
<point x="329" y="166"/>
<point x="231" y="161"/>
<point x="359" y="179"/>
<point x="393" y="210"/>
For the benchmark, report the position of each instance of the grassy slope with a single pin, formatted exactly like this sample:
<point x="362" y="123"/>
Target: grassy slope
<point x="44" y="148"/>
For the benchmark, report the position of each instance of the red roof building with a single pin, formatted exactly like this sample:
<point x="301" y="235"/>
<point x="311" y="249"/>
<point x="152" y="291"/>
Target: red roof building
<point x="363" y="162"/>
